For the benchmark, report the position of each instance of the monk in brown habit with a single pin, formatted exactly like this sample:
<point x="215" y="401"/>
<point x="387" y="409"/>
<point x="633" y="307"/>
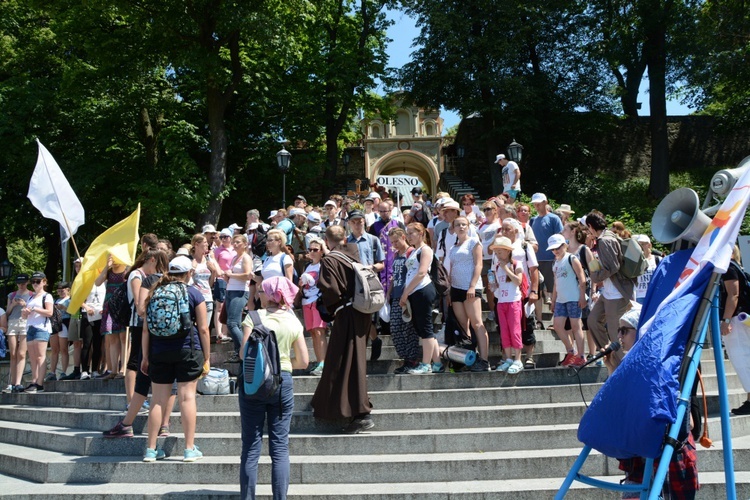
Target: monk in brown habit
<point x="342" y="391"/>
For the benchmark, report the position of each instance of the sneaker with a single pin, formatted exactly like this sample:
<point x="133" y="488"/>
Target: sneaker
<point x="94" y="374"/>
<point x="192" y="455"/>
<point x="504" y="366"/>
<point x="420" y="369"/>
<point x="105" y="375"/>
<point x="50" y="377"/>
<point x="578" y="361"/>
<point x="376" y="348"/>
<point x="18" y="388"/>
<point x="358" y="425"/>
<point x="164" y="431"/>
<point x="569" y="359"/>
<point x="529" y="364"/>
<point x="153" y="455"/>
<point x="74" y="375"/>
<point x="515" y="367"/>
<point x="480" y="365"/>
<point x="8" y="389"/>
<point x="318" y="370"/>
<point x="404" y="369"/>
<point x="438" y="368"/>
<point x="145" y="407"/>
<point x="39" y="388"/>
<point x="85" y="376"/>
<point x="742" y="410"/>
<point x="31" y="389"/>
<point x="599" y="363"/>
<point x="119" y="431"/>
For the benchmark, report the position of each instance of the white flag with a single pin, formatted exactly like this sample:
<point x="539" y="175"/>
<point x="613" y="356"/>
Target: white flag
<point x="51" y="194"/>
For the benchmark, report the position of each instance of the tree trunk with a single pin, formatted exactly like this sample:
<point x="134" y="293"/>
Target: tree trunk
<point x="54" y="256"/>
<point x="217" y="173"/>
<point x="150" y="137"/>
<point x="657" y="62"/>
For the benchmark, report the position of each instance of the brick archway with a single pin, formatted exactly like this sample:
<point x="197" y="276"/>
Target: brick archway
<point x="408" y="163"/>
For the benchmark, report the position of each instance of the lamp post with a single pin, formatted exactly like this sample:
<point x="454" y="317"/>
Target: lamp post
<point x="6" y="272"/>
<point x="346" y="158"/>
<point x="461" y="152"/>
<point x="283" y="158"/>
<point x="515" y="151"/>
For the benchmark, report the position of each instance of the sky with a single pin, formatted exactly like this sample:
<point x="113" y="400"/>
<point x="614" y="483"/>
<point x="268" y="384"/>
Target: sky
<point x="403" y="32"/>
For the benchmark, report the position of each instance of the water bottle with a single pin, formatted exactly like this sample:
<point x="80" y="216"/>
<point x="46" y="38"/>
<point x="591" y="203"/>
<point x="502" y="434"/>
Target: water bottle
<point x="491" y="278"/>
<point x="186" y="322"/>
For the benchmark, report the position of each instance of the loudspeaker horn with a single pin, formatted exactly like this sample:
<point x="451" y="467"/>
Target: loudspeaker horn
<point x="724" y="180"/>
<point x="678" y="217"/>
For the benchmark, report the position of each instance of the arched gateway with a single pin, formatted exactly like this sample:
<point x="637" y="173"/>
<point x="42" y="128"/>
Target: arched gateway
<point x="409" y="145"/>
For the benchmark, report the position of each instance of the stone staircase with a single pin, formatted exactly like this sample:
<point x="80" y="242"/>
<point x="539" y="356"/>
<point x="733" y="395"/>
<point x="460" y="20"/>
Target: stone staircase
<point x="439" y="436"/>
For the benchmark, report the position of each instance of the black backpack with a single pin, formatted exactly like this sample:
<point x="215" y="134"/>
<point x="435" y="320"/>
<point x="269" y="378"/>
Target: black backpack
<point x="120" y="308"/>
<point x="438" y="275"/>
<point x="56" y="318"/>
<point x="743" y="302"/>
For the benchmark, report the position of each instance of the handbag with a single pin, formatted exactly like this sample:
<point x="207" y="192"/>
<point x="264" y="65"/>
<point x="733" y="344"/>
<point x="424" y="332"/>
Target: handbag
<point x="216" y="382"/>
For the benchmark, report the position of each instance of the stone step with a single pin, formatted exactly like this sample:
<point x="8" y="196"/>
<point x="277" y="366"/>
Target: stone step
<point x="55" y="467"/>
<point x="84" y="442"/>
<point x="712" y="487"/>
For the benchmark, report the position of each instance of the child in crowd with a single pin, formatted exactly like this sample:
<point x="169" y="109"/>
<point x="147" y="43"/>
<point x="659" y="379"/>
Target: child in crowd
<point x="568" y="298"/>
<point x="310" y="293"/>
<point x="506" y="285"/>
<point x="59" y="342"/>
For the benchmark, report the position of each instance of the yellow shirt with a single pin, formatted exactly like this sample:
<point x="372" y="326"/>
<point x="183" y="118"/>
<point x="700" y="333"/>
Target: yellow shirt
<point x="287" y="328"/>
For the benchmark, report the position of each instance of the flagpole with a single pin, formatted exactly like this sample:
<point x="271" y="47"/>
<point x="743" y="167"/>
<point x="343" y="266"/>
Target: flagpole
<point x="67" y="224"/>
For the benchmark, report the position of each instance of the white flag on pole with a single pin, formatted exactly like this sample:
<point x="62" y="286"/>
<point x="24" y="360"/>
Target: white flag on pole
<point x="51" y="194"/>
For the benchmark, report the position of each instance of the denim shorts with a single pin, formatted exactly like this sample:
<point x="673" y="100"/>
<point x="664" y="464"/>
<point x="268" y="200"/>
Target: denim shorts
<point x="567" y="310"/>
<point x="33" y="333"/>
<point x="220" y="290"/>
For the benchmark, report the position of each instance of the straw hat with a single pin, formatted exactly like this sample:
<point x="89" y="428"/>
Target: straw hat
<point x="501" y="242"/>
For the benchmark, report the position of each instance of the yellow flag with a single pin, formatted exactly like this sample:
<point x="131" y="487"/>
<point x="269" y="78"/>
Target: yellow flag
<point x="120" y="241"/>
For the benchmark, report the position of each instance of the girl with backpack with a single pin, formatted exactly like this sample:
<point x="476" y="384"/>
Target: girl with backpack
<point x="310" y="293"/>
<point x="568" y="298"/>
<point x="175" y="354"/>
<point x="276" y="315"/>
<point x="576" y="234"/>
<point x="37" y="314"/>
<point x="505" y="282"/>
<point x="115" y="276"/>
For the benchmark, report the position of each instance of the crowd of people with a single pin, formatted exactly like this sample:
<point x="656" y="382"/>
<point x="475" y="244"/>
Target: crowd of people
<point x="497" y="257"/>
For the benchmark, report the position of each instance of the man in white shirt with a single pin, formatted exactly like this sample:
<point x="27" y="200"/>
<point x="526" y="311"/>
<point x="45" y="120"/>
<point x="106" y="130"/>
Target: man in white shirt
<point x="511" y="176"/>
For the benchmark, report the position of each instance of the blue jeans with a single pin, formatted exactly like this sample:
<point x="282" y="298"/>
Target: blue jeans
<point x="235" y="303"/>
<point x="279" y="410"/>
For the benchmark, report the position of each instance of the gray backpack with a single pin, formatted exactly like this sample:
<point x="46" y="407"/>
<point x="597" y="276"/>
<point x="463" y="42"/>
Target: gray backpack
<point x="369" y="296"/>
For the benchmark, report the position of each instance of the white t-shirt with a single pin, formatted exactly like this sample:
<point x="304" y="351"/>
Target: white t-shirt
<point x="510" y="174"/>
<point x="274" y="265"/>
<point x="310" y="292"/>
<point x="136" y="275"/>
<point x="35" y="319"/>
<point x="370" y="218"/>
<point x="487" y="233"/>
<point x="645" y="278"/>
<point x="506" y="290"/>
<point x="412" y="268"/>
<point x="566" y="282"/>
<point x="237" y="285"/>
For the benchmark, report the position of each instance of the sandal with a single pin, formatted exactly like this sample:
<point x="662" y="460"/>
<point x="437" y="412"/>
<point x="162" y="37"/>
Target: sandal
<point x="529" y="364"/>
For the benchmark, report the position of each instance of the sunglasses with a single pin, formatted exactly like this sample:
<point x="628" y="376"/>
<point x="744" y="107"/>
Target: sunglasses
<point x="488" y="209"/>
<point x="36" y="282"/>
<point x="314" y="250"/>
<point x="224" y="237"/>
<point x="624" y="330"/>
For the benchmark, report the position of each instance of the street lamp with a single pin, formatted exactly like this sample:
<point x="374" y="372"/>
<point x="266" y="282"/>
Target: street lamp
<point x="461" y="151"/>
<point x="346" y="158"/>
<point x="6" y="272"/>
<point x="283" y="158"/>
<point x="515" y="151"/>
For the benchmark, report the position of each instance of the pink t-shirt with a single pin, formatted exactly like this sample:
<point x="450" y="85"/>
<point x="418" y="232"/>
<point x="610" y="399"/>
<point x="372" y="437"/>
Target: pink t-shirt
<point x="224" y="257"/>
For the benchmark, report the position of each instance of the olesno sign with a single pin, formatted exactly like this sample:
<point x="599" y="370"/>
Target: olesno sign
<point x="396" y="181"/>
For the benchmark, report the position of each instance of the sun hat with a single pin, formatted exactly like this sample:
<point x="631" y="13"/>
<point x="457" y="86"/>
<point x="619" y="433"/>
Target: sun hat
<point x="501" y="242"/>
<point x="209" y="228"/>
<point x="642" y="238"/>
<point x="314" y="217"/>
<point x="451" y="205"/>
<point x="565" y="208"/>
<point x="406" y="313"/>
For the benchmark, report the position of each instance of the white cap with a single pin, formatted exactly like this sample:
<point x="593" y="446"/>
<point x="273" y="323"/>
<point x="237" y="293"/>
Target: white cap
<point x="235" y="227"/>
<point x="555" y="241"/>
<point x="179" y="265"/>
<point x="499" y="157"/>
<point x="642" y="238"/>
<point x="297" y="211"/>
<point x="273" y="214"/>
<point x="538" y="198"/>
<point x="442" y="201"/>
<point x="182" y="251"/>
<point x="374" y="194"/>
<point x="331" y="203"/>
<point x="226" y="232"/>
<point x="314" y="217"/>
<point x="209" y="228"/>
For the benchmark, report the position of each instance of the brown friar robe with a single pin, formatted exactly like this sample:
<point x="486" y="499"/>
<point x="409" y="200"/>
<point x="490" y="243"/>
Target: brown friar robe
<point x="342" y="391"/>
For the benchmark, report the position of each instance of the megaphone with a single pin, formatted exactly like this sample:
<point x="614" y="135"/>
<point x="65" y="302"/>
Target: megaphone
<point x="678" y="217"/>
<point x="724" y="180"/>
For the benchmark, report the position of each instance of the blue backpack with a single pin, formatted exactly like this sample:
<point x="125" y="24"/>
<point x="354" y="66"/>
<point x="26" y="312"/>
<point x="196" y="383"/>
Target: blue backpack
<point x="168" y="312"/>
<point x="261" y="366"/>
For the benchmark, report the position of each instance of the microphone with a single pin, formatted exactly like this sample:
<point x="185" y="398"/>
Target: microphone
<point x="612" y="347"/>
